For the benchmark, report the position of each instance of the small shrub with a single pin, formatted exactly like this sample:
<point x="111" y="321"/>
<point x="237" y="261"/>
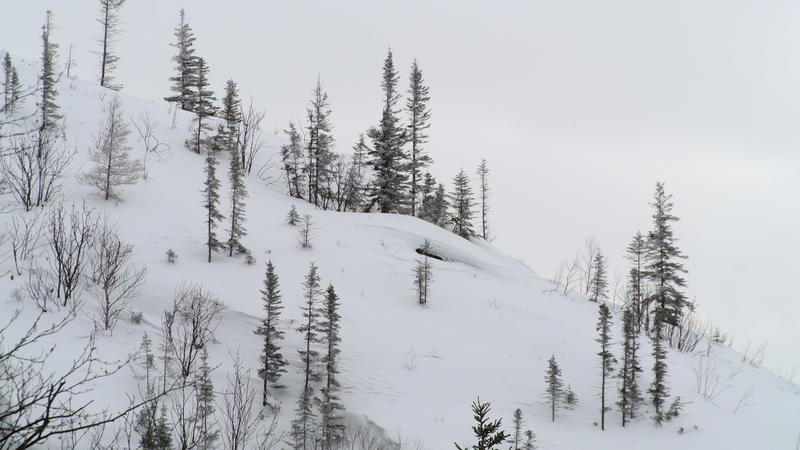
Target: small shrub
<point x="137" y="317"/>
<point x="570" y="397"/>
<point x="172" y="257"/>
<point x="293" y="217"/>
<point x="249" y="258"/>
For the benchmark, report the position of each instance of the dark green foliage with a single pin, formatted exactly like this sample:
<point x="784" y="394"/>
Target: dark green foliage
<point x="462" y="203"/>
<point x="423" y="274"/>
<point x="109" y="20"/>
<point x="570" y="398"/>
<point x="185" y="66"/>
<point x="607" y="359"/>
<point x="518" y="422"/>
<point x="302" y="426"/>
<point x="354" y="184"/>
<point x="629" y="394"/>
<point x="330" y="405"/>
<point x="488" y="432"/>
<point x="555" y="387"/>
<point x="530" y="440"/>
<point x="292" y="157"/>
<point x="211" y="203"/>
<point x="598" y="288"/>
<point x="208" y="434"/>
<point x="319" y="148"/>
<point x="11" y="86"/>
<point x="232" y="115"/>
<point x="418" y="116"/>
<point x="387" y="156"/>
<point x="48" y="78"/>
<point x="658" y="388"/>
<point x="636" y="254"/>
<point x="238" y="202"/>
<point x="293" y="218"/>
<point x="273" y="363"/>
<point x="202" y="101"/>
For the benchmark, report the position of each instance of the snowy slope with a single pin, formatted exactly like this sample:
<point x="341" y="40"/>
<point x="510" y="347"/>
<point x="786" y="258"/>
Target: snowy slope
<point x="488" y="330"/>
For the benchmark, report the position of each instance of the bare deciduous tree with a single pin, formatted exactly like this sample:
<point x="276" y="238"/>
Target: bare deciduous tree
<point x="34" y="173"/>
<point x="71" y="236"/>
<point x="25" y="235"/>
<point x="190" y="325"/>
<point x="117" y="281"/>
<point x="250" y="136"/>
<point x="590" y="250"/>
<point x="305" y="231"/>
<point x="240" y="415"/>
<point x="146" y="129"/>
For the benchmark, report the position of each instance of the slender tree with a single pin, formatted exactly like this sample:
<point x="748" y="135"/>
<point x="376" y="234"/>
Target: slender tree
<point x="636" y="255"/>
<point x="440" y="207"/>
<point x="555" y="387"/>
<point x="273" y="363"/>
<point x="606" y="357"/>
<point x="232" y="115"/>
<point x="354" y="184"/>
<point x="598" y="287"/>
<point x="489" y="433"/>
<point x="109" y="21"/>
<point x="483" y="177"/>
<point x="202" y="100"/>
<point x="423" y="274"/>
<point x="207" y="431"/>
<point x="48" y="79"/>
<point x="319" y="146"/>
<point x="462" y="203"/>
<point x="111" y="154"/>
<point x="185" y="65"/>
<point x="238" y="202"/>
<point x="387" y="156"/>
<point x="518" y="423"/>
<point x="330" y="405"/>
<point x="629" y="395"/>
<point x="530" y="440"/>
<point x="419" y="115"/>
<point x="292" y="156"/>
<point x="11" y="85"/>
<point x="659" y="391"/>
<point x="302" y="426"/>
<point x="211" y="203"/>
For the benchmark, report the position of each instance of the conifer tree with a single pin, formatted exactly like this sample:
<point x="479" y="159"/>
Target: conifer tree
<point x="202" y="101"/>
<point x="292" y="156"/>
<point x="208" y="433"/>
<point x="293" y="217"/>
<point x="109" y="21"/>
<point x="330" y="405"/>
<point x="629" y="394"/>
<point x="355" y="176"/>
<point x="489" y="432"/>
<point x="211" y="203"/>
<point x="663" y="271"/>
<point x="232" y="115"/>
<point x="9" y="86"/>
<point x="302" y="426"/>
<point x="273" y="363"/>
<point x="440" y="207"/>
<point x="163" y="432"/>
<point x="185" y="65"/>
<point x="636" y="255"/>
<point x="48" y="78"/>
<point x="530" y="440"/>
<point x="16" y="92"/>
<point x="238" y="202"/>
<point x="606" y="357"/>
<point x="319" y="147"/>
<point x="427" y="192"/>
<point x="483" y="177"/>
<point x="598" y="287"/>
<point x="518" y="422"/>
<point x="555" y="387"/>
<point x="462" y="203"/>
<point x="418" y="116"/>
<point x="388" y="158"/>
<point x="111" y="154"/>
<point x="423" y="274"/>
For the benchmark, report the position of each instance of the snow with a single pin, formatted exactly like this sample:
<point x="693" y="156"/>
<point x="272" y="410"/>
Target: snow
<point x="488" y="329"/>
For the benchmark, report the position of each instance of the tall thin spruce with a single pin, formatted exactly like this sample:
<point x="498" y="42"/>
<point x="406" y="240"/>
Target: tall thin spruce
<point x="419" y="115"/>
<point x="273" y="363"/>
<point x="109" y="21"/>
<point x="607" y="359"/>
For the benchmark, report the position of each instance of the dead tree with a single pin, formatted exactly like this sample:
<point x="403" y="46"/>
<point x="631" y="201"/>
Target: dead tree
<point x="240" y="413"/>
<point x="146" y="129"/>
<point x="250" y="136"/>
<point x="71" y="236"/>
<point x="190" y="325"/>
<point x="116" y="280"/>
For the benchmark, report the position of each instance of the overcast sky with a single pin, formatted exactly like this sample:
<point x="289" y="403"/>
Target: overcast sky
<point x="579" y="106"/>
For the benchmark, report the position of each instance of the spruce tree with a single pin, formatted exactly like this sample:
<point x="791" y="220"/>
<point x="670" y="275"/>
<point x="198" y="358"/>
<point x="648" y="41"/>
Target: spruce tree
<point x="319" y="147"/>
<point x="238" y="202"/>
<point x="330" y="405"/>
<point x="387" y="156"/>
<point x="208" y="434"/>
<point x="555" y="387"/>
<point x="483" y="177"/>
<point x="292" y="156"/>
<point x="302" y="426"/>
<point x="354" y="184"/>
<point x="16" y="92"/>
<point x="636" y="255"/>
<point x="185" y="65"/>
<point x="598" y="287"/>
<point x="232" y="115"/>
<point x="629" y="395"/>
<point x="440" y="207"/>
<point x="202" y="101"/>
<point x="423" y="274"/>
<point x="416" y="131"/>
<point x="462" y="203"/>
<point x="530" y="440"/>
<point x="48" y="79"/>
<point x="8" y="74"/>
<point x="273" y="363"/>
<point x="518" y="422"/>
<point x="489" y="432"/>
<point x="211" y="203"/>
<point x="663" y="271"/>
<point x="427" y="192"/>
<point x="109" y="21"/>
<point x="606" y="357"/>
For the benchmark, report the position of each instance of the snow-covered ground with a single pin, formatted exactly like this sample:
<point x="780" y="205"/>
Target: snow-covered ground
<point x="488" y="330"/>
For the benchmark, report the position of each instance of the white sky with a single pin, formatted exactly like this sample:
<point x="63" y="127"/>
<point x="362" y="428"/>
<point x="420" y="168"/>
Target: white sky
<point x="578" y="105"/>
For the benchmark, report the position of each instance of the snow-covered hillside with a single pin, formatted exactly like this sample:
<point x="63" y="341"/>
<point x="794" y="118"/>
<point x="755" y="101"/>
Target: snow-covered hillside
<point x="488" y="330"/>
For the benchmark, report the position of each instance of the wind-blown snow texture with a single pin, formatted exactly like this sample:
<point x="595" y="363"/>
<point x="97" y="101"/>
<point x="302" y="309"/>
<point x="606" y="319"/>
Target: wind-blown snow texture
<point x="488" y="329"/>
